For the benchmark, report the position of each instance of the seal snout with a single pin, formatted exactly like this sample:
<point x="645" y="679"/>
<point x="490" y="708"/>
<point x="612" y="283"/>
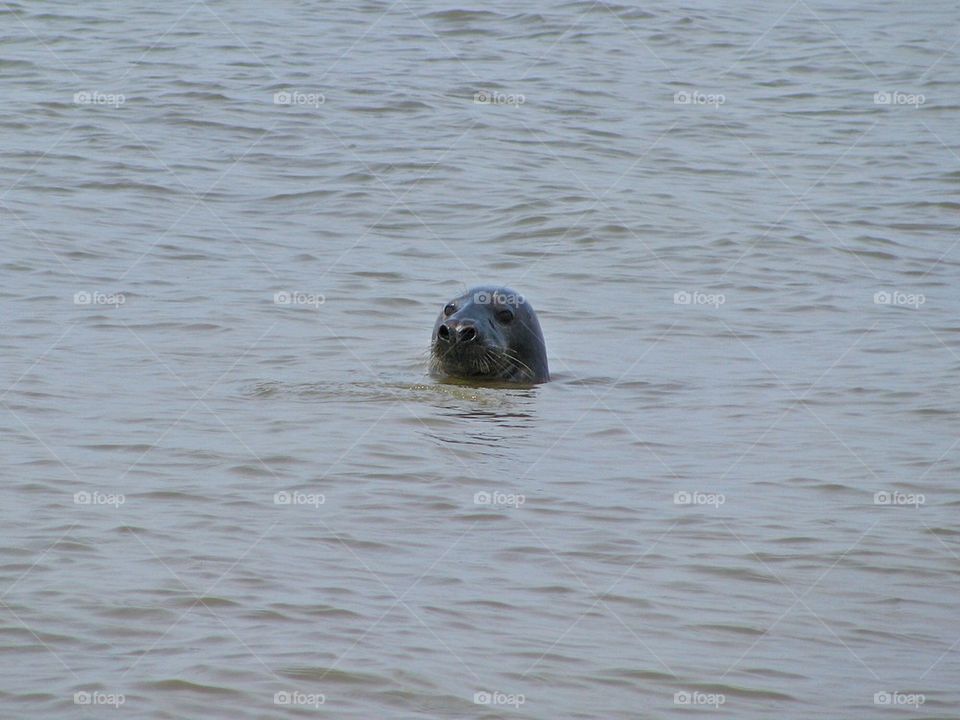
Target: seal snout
<point x="458" y="331"/>
<point x="488" y="333"/>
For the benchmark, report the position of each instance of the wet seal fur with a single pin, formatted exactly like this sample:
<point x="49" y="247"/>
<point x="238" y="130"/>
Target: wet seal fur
<point x="489" y="334"/>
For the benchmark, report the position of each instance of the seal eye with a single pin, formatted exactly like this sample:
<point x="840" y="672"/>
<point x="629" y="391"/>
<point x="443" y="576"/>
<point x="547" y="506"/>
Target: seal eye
<point x="505" y="316"/>
<point x="449" y="309"/>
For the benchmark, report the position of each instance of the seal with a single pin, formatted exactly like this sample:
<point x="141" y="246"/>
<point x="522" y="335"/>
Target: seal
<point x="489" y="334"/>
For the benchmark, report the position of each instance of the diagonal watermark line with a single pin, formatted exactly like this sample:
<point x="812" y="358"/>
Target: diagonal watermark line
<point x="40" y="440"/>
<point x="937" y="661"/>
<point x="940" y="340"/>
<point x="239" y="39"/>
<point x="842" y="41"/>
<point x="597" y="402"/>
<point x="842" y="442"/>
<point x="37" y="561"/>
<point x="38" y="360"/>
<point x="759" y="39"/>
<point x="398" y="599"/>
<point x="940" y="259"/>
<point x="360" y="39"/>
<point x="640" y="40"/>
<point x="599" y="598"/>
<point x="937" y="61"/>
<point x="399" y="199"/>
<point x="17" y="581"/>
<point x="839" y="239"/>
<point x="957" y="557"/>
<point x="440" y="40"/>
<point x="198" y="199"/>
<point x="798" y="599"/>
<point x="798" y="399"/>
<point x="441" y="641"/>
<point x="552" y="45"/>
<point x="627" y="427"/>
<point x="598" y="200"/>
<point x="799" y="198"/>
<point x="39" y="239"/>
<point x="46" y="47"/>
<point x="197" y="401"/>
<point x="937" y="461"/>
<point x="952" y="152"/>
<point x="398" y="399"/>
<point x="841" y="641"/>
<point x="157" y="41"/>
<point x="37" y="161"/>
<point x="198" y="599"/>
<point x="39" y="639"/>
<point x="201" y="401"/>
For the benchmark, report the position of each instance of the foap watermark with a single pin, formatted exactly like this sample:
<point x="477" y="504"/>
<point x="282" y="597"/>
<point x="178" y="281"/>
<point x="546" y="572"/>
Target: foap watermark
<point x="895" y="97"/>
<point x="95" y="97"/>
<point x="295" y="97"/>
<point x="496" y="697"/>
<point x="96" y="297"/>
<point x="492" y="97"/>
<point x="296" y="497"/>
<point x="695" y="697"/>
<point x="99" y="498"/>
<point x="885" y="697"/>
<point x="498" y="298"/>
<point x="695" y="97"/>
<point x="498" y="499"/>
<point x="296" y="297"/>
<point x="296" y="697"/>
<point x="684" y="497"/>
<point x="898" y="498"/>
<point x="96" y="697"/>
<point x="684" y="297"/>
<point x="899" y="298"/>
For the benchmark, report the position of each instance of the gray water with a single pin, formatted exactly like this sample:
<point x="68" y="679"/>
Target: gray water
<point x="685" y="522"/>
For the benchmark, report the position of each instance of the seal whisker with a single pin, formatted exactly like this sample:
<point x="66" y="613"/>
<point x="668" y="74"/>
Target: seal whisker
<point x="488" y="333"/>
<point x="514" y="359"/>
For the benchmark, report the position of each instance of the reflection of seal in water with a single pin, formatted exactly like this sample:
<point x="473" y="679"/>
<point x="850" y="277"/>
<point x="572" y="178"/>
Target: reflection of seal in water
<point x="489" y="333"/>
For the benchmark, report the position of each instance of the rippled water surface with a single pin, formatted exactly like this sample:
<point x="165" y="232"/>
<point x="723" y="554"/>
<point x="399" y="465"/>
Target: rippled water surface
<point x="232" y="491"/>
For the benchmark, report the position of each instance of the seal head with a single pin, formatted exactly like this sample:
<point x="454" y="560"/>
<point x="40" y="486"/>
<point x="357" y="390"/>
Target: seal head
<point x="489" y="334"/>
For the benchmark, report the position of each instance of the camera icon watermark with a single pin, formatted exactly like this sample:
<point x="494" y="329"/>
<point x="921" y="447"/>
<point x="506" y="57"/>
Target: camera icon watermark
<point x="899" y="298"/>
<point x="695" y="97"/>
<point x="496" y="697"/>
<point x="99" y="498"/>
<point x="295" y="497"/>
<point x="685" y="297"/>
<point x="96" y="697"/>
<point x="492" y="97"/>
<point x="896" y="698"/>
<point x="296" y="697"/>
<point x="694" y="697"/>
<point x="96" y="297"/>
<point x="297" y="298"/>
<point x="95" y="97"/>
<point x="897" y="498"/>
<point x="495" y="498"/>
<point x="295" y="97"/>
<point x="895" y="97"/>
<point x="498" y="298"/>
<point x="684" y="497"/>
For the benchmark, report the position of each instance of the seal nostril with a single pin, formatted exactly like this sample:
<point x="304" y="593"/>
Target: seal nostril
<point x="443" y="332"/>
<point x="467" y="334"/>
